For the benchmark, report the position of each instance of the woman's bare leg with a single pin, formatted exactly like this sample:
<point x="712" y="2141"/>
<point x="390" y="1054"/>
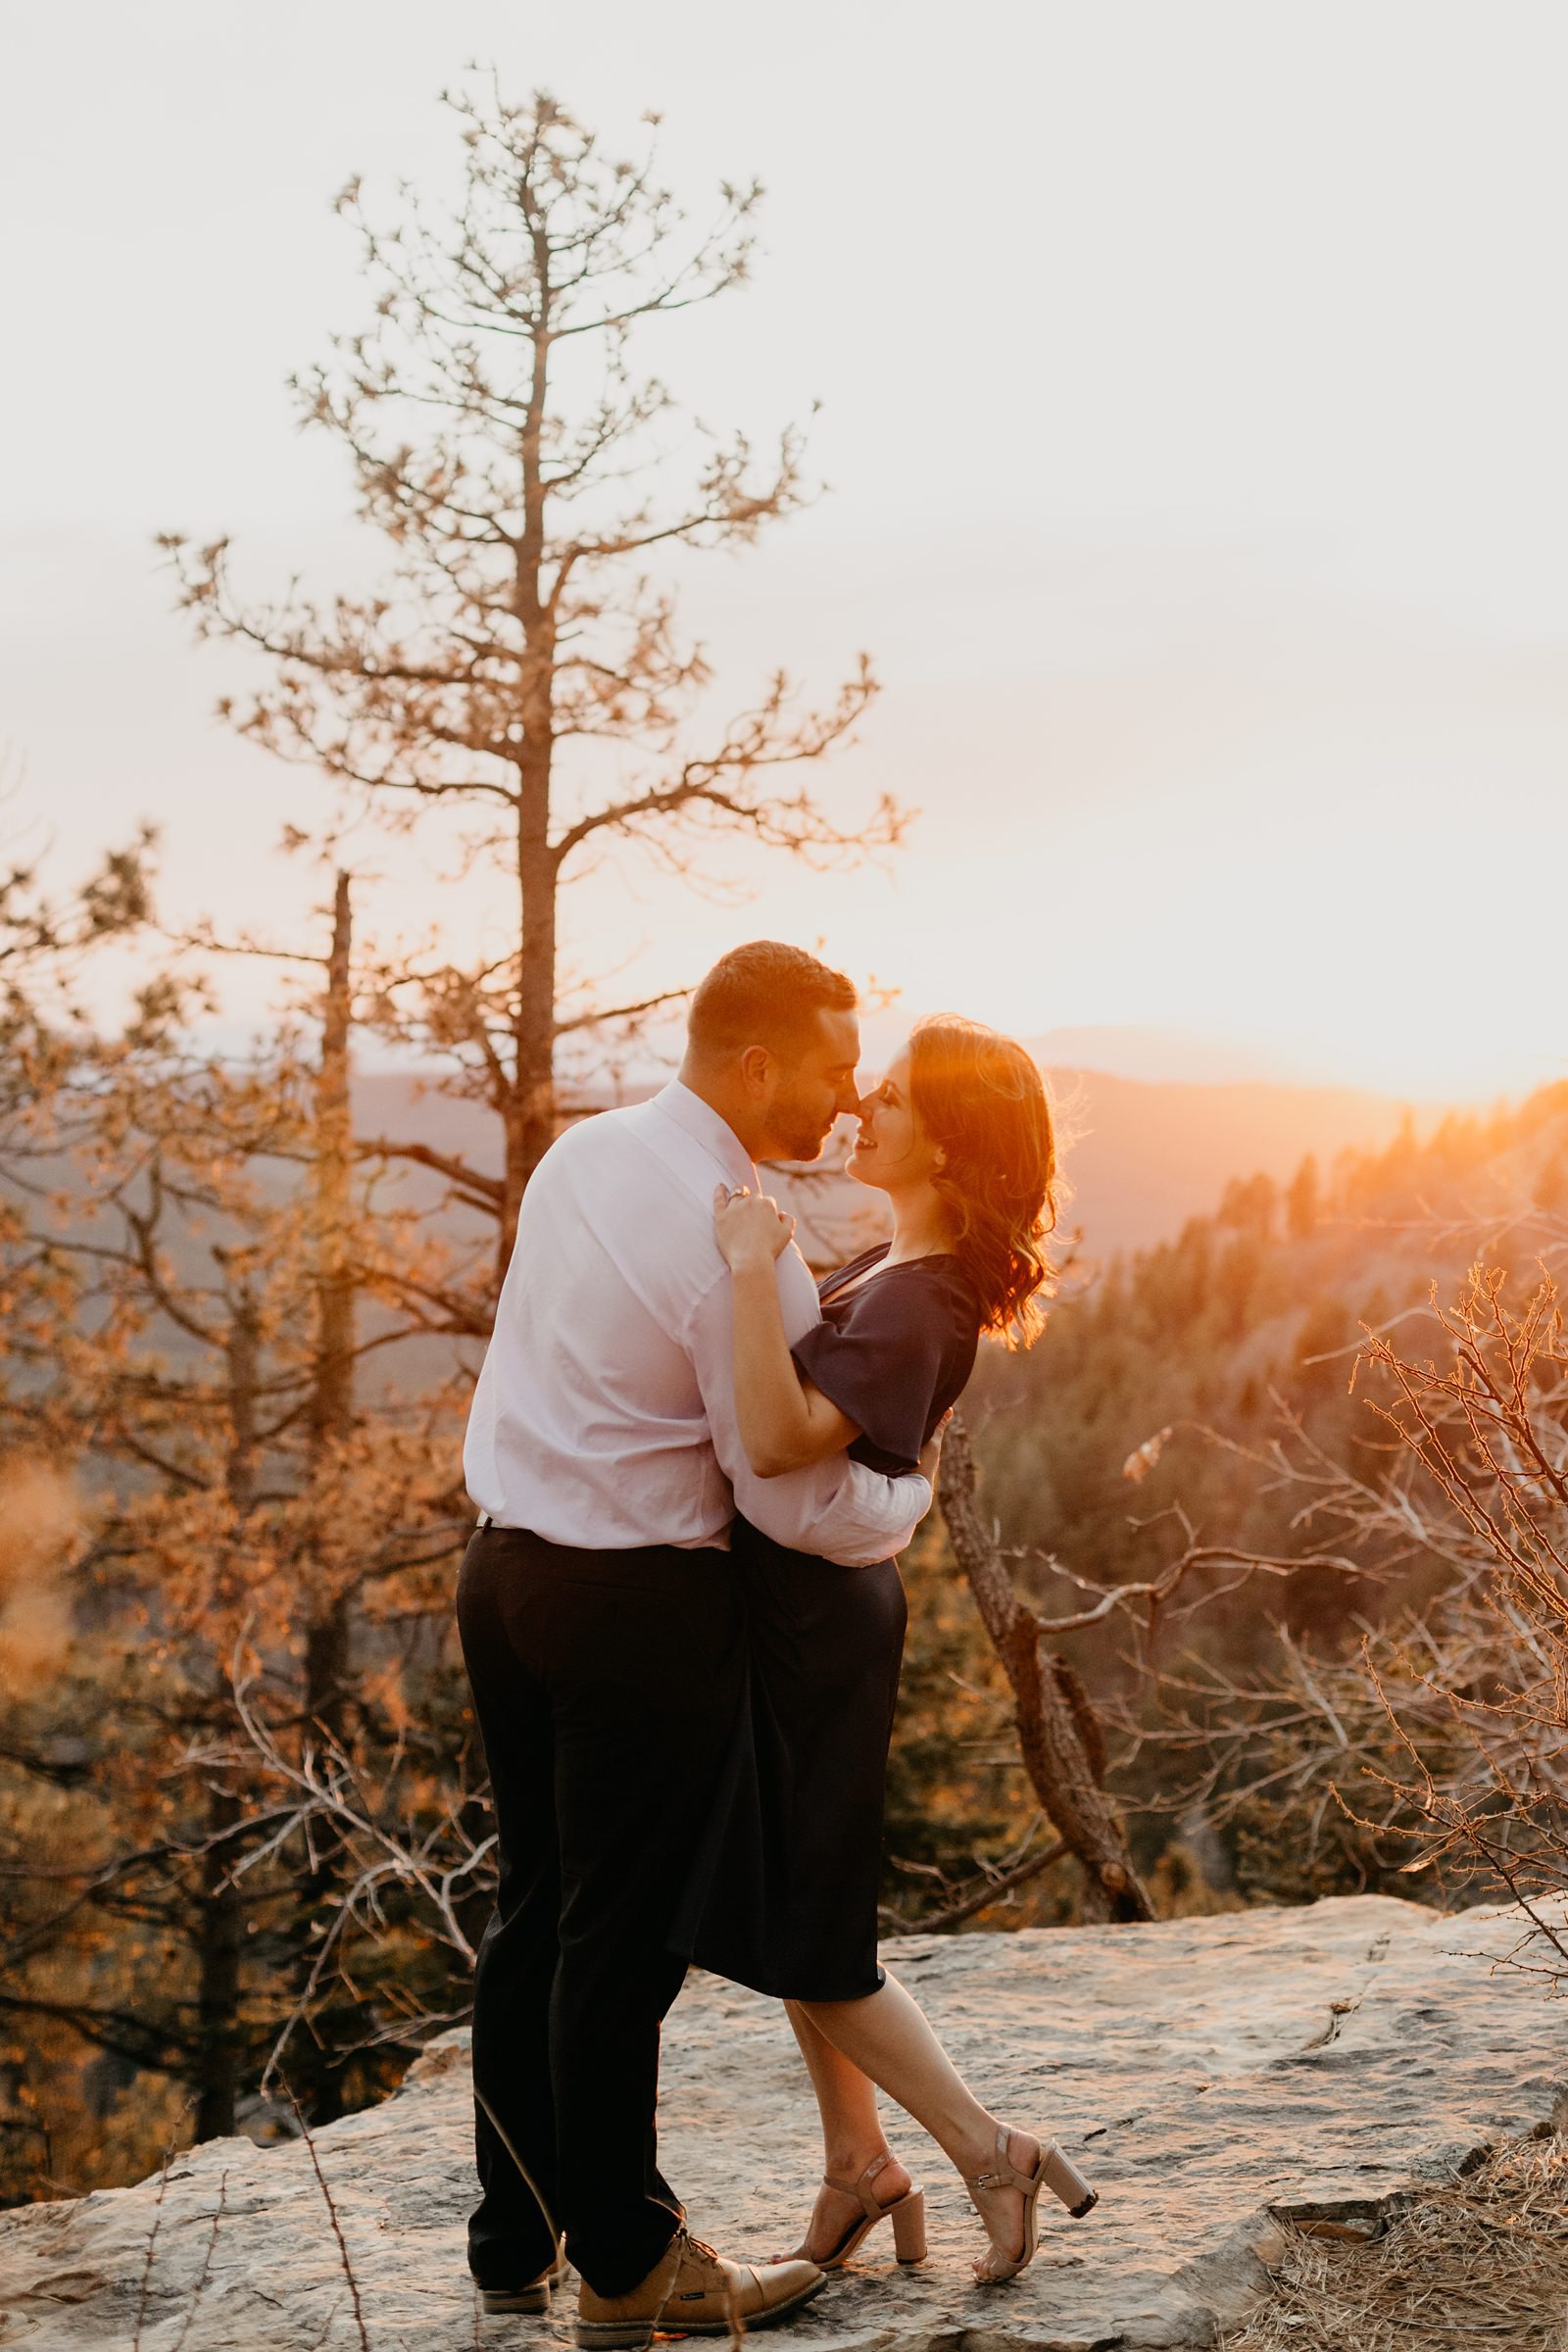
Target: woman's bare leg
<point x="887" y="2037"/>
<point x="846" y="2098"/>
<point x="852" y="2135"/>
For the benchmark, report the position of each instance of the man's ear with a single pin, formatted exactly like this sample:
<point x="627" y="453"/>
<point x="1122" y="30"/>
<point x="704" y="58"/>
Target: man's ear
<point x="757" y="1069"/>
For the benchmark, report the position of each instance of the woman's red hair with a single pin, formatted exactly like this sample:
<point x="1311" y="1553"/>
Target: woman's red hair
<point x="981" y="1099"/>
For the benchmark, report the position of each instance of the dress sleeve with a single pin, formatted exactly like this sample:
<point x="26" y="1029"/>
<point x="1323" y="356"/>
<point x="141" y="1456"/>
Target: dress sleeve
<point x="883" y="1364"/>
<point x="852" y="1512"/>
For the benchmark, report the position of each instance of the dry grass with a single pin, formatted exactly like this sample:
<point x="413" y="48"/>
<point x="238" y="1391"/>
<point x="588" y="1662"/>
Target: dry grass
<point x="1483" y="2262"/>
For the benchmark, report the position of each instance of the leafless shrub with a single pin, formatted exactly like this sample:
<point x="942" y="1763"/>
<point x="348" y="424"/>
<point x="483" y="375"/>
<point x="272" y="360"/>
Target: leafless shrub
<point x="1439" y="1746"/>
<point x="1063" y="1734"/>
<point x="1490" y="1429"/>
<point x="436" y="1864"/>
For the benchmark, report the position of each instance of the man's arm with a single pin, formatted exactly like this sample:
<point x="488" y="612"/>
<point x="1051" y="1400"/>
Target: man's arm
<point x="837" y="1508"/>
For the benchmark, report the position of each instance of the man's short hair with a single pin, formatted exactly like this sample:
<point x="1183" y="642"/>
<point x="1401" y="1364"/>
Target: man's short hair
<point x="765" y="994"/>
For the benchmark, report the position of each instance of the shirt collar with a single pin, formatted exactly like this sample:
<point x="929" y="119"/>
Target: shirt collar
<point x="716" y="1136"/>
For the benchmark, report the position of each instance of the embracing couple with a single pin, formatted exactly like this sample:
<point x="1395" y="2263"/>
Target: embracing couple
<point x="682" y="1621"/>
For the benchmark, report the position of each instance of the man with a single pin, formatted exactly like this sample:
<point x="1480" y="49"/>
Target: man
<point x="603" y="1637"/>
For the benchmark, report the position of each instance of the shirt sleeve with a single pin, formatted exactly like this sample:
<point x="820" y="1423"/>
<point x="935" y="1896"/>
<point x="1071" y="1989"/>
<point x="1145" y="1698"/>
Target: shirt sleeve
<point x="883" y="1364"/>
<point x="837" y="1508"/>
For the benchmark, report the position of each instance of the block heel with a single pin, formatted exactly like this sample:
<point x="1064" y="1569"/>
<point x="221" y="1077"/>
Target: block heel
<point x="906" y="2213"/>
<point x="1052" y="2170"/>
<point x="907" y="2217"/>
<point x="1065" y="2180"/>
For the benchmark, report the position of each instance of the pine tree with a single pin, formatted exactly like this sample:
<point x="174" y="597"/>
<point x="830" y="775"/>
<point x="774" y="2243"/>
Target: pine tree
<point x="521" y="671"/>
<point x="1302" y="1204"/>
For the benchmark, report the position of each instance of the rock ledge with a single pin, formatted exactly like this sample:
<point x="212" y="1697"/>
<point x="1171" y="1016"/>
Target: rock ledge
<point x="1211" y="2074"/>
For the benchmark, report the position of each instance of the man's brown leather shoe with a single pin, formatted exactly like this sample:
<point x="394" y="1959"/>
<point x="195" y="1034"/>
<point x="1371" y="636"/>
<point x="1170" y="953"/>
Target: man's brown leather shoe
<point x="694" y="2291"/>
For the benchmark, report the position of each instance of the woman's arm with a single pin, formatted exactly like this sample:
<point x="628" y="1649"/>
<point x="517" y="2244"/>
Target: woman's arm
<point x="785" y="1423"/>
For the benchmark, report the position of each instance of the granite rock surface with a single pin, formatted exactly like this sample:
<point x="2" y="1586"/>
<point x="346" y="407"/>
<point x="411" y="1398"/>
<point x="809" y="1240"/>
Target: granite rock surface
<point x="1209" y="2074"/>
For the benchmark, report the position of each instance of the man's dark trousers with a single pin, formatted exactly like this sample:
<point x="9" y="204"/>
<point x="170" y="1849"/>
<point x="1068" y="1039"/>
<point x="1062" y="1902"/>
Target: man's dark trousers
<point x="607" y="1686"/>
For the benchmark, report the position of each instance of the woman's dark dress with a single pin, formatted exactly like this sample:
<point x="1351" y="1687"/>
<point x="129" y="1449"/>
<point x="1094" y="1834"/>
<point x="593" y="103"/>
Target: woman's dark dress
<point x="783" y="1893"/>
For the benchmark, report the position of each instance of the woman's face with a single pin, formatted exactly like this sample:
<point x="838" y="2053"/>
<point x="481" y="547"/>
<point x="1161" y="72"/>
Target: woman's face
<point x="892" y="1149"/>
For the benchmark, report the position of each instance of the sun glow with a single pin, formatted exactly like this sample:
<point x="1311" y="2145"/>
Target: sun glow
<point x="1217" y="601"/>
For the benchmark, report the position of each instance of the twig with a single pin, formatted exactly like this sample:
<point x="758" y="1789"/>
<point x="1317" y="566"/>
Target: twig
<point x="207" y="2261"/>
<point x="337" y="2226"/>
<point x="953" y="1914"/>
<point x="152" y="2240"/>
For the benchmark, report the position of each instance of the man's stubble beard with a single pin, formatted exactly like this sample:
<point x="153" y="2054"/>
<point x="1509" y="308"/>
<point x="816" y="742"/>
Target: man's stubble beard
<point x="802" y="1134"/>
<point x="802" y="1149"/>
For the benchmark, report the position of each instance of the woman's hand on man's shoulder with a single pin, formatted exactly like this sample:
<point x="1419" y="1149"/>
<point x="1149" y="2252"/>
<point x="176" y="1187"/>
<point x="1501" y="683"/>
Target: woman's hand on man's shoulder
<point x="751" y="1228"/>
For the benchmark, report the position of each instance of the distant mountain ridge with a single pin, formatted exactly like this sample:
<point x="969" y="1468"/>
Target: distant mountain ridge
<point x="1158" y="1056"/>
<point x="1139" y="1156"/>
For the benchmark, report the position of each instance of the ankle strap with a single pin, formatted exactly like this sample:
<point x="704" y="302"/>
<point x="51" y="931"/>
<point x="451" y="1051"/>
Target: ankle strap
<point x="1006" y="2175"/>
<point x="862" y="2189"/>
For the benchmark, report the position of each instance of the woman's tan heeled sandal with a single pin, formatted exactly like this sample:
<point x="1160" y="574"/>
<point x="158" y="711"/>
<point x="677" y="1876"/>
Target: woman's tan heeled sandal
<point x="906" y="2214"/>
<point x="1053" y="2170"/>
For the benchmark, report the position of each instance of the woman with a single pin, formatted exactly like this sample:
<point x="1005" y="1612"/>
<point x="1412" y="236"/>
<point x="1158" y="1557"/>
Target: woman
<point x="958" y="1137"/>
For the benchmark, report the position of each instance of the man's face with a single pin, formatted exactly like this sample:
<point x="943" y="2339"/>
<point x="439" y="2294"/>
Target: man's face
<point x="813" y="1091"/>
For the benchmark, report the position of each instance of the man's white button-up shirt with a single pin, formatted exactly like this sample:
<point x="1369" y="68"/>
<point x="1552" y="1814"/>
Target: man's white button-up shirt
<point x="604" y="1414"/>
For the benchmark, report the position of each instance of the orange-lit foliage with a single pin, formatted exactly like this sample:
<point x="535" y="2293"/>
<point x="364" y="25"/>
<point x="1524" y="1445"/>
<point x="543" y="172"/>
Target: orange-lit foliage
<point x="1204" y="1343"/>
<point x="243" y="1823"/>
<point x="185" y="1235"/>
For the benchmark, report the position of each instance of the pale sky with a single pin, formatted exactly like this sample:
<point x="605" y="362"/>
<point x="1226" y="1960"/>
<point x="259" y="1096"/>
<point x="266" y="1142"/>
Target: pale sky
<point x="1194" y="387"/>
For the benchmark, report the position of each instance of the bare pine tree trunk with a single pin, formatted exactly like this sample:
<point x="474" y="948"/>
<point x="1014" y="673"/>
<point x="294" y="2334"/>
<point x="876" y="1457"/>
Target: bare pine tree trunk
<point x="329" y="1629"/>
<point x="1063" y="1751"/>
<point x="333" y="1396"/>
<point x="220" y="1916"/>
<point x="332" y="1400"/>
<point x="530" y="1113"/>
<point x="219" y="1939"/>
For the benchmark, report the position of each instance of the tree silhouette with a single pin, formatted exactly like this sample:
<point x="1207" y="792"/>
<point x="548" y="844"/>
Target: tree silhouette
<point x="520" y="668"/>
